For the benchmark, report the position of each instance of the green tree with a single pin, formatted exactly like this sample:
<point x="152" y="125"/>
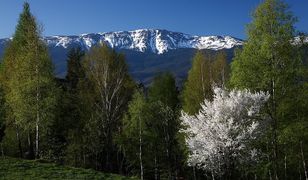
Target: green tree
<point x="164" y="126"/>
<point x="221" y="70"/>
<point x="31" y="90"/>
<point x="71" y="108"/>
<point x="207" y="70"/>
<point x="105" y="92"/>
<point x="133" y="133"/>
<point x="269" y="62"/>
<point x="74" y="67"/>
<point x="2" y="114"/>
<point x="163" y="89"/>
<point x="198" y="84"/>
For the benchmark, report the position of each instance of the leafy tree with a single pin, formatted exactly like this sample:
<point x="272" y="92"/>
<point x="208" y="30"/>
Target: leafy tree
<point x="150" y="137"/>
<point x="105" y="92"/>
<point x="221" y="133"/>
<point x="165" y="124"/>
<point x="221" y="69"/>
<point x="30" y="90"/>
<point x="206" y="71"/>
<point x="269" y="62"/>
<point x="133" y="133"/>
<point x="198" y="84"/>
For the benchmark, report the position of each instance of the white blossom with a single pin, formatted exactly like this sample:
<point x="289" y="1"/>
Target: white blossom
<point x="221" y="133"/>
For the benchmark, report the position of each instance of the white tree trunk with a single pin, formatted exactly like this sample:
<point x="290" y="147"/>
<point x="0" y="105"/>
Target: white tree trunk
<point x="140" y="151"/>
<point x="303" y="159"/>
<point x="37" y="116"/>
<point x="156" y="169"/>
<point x="37" y="138"/>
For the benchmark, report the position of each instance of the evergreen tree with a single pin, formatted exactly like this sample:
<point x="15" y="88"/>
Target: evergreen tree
<point x="30" y="88"/>
<point x="71" y="108"/>
<point x="269" y="62"/>
<point x="163" y="89"/>
<point x="74" y="68"/>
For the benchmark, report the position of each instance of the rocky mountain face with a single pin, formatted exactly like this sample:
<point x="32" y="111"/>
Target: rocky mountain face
<point x="148" y="51"/>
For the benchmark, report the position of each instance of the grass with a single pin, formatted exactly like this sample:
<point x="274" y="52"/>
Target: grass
<point x="12" y="168"/>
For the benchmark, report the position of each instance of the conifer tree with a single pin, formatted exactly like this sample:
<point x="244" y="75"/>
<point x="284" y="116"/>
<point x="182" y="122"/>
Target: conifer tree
<point x="74" y="68"/>
<point x="163" y="89"/>
<point x="71" y="108"/>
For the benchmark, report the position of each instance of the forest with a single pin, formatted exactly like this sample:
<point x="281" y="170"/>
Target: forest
<point x="247" y="119"/>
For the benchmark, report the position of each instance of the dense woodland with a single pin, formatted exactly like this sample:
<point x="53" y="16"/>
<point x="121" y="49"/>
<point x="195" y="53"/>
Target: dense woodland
<point x="244" y="120"/>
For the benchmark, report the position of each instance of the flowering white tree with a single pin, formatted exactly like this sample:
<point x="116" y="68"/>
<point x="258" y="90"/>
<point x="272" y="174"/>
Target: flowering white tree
<point x="221" y="133"/>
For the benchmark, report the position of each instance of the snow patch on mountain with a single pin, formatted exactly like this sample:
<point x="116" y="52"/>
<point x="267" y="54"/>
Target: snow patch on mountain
<point x="146" y="40"/>
<point x="142" y="40"/>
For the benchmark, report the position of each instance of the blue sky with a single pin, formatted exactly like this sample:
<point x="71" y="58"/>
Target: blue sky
<point x="197" y="17"/>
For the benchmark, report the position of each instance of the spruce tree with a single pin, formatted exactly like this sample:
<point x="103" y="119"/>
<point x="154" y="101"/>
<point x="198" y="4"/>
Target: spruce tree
<point x="163" y="89"/>
<point x="30" y="90"/>
<point x="74" y="68"/>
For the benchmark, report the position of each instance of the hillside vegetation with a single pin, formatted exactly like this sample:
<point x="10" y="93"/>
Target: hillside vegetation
<point x="12" y="168"/>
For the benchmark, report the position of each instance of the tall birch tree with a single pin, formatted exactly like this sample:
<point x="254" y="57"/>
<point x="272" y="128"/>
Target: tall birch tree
<point x="31" y="90"/>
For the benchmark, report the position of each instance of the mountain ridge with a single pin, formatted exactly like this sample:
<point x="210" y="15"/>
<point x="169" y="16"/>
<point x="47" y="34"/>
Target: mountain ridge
<point x="148" y="51"/>
<point x="158" y="41"/>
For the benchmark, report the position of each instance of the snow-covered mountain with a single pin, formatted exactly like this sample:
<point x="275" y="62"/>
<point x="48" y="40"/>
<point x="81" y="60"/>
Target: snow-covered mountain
<point x="148" y="51"/>
<point x="146" y="40"/>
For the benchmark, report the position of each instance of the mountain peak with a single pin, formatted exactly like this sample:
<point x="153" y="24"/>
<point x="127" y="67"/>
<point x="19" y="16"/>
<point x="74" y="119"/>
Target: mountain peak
<point x="156" y="41"/>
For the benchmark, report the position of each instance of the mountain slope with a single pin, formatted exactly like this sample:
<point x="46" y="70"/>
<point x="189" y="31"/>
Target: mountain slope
<point x="148" y="51"/>
<point x="146" y="40"/>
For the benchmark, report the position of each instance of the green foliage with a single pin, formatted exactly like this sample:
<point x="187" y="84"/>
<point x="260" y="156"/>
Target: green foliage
<point x="74" y="67"/>
<point x="163" y="89"/>
<point x="2" y="113"/>
<point x="11" y="168"/>
<point x="71" y="125"/>
<point x="207" y="70"/>
<point x="271" y="63"/>
<point x="104" y="93"/>
<point x="268" y="54"/>
<point x="159" y="135"/>
<point x="155" y="123"/>
<point x="133" y="131"/>
<point x="30" y="90"/>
